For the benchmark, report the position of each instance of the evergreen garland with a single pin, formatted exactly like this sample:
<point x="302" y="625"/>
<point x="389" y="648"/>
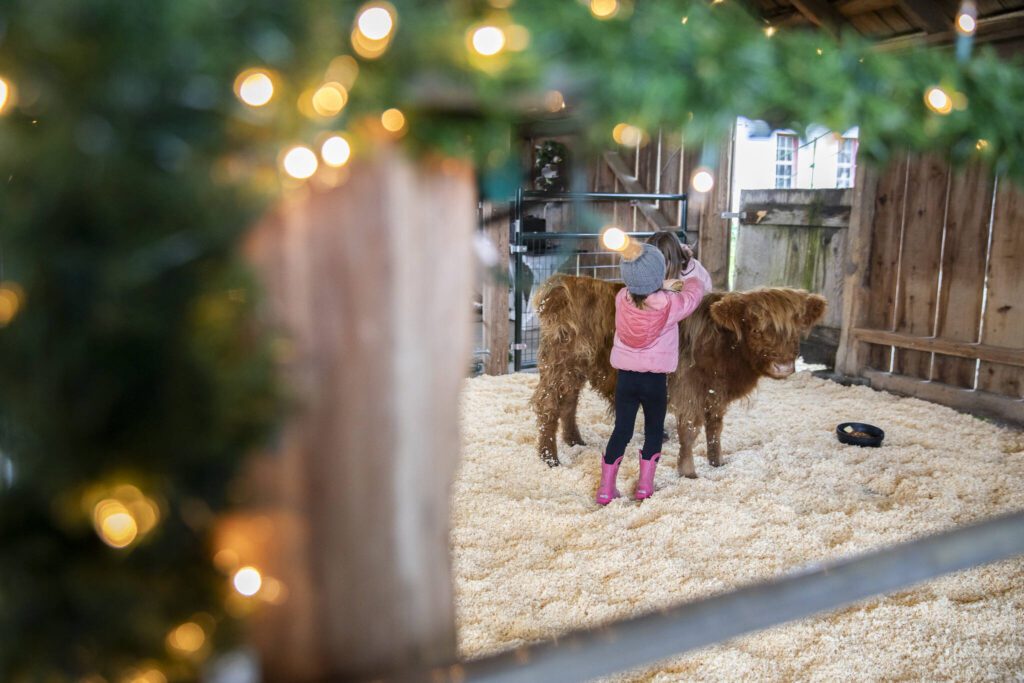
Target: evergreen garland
<point x="132" y="366"/>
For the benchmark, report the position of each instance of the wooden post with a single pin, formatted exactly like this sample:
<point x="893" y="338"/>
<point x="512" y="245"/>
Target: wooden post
<point x="856" y="290"/>
<point x="370" y="285"/>
<point x="715" y="231"/>
<point x="495" y="295"/>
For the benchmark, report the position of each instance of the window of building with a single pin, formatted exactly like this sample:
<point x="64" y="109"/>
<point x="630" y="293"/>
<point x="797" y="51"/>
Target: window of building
<point x="785" y="160"/>
<point x="846" y="161"/>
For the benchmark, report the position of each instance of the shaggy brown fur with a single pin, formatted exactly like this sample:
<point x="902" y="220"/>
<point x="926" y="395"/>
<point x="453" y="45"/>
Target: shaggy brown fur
<point x="725" y="347"/>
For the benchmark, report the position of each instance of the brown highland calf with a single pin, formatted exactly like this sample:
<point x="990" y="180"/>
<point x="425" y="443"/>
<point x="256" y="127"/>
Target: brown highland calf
<point x="725" y="347"/>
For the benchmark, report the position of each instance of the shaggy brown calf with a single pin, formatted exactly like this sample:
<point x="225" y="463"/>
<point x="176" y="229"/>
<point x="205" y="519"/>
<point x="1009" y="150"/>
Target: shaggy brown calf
<point x="725" y="347"/>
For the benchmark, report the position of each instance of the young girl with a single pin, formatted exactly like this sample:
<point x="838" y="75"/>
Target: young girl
<point x="645" y="351"/>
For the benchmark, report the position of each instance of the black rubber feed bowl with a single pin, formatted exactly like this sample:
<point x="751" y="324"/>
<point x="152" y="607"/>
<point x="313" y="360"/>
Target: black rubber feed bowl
<point x="874" y="439"/>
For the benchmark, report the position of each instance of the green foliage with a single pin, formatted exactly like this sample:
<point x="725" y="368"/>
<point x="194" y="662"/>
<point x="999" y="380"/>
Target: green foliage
<point x="130" y="173"/>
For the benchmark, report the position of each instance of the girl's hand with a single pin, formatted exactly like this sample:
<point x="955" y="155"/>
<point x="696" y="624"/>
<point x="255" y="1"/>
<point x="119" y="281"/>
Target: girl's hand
<point x="674" y="285"/>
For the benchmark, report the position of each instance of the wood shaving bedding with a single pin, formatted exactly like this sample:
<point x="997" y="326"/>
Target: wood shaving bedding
<point x="535" y="557"/>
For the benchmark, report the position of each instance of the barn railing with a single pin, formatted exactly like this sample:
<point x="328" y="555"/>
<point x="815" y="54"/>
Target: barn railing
<point x="586" y="654"/>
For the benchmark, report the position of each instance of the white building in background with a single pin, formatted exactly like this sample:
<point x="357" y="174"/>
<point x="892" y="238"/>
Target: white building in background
<point x="786" y="159"/>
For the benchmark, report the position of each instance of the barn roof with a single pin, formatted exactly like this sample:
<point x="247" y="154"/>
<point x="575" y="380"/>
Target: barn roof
<point x="899" y="23"/>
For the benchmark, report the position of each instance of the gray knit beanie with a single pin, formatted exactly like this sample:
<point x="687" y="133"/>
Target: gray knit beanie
<point x="644" y="274"/>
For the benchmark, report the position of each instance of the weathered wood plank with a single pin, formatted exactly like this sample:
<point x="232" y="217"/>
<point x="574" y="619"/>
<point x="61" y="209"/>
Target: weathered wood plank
<point x="974" y="402"/>
<point x="495" y="295"/>
<point x="1003" y="324"/>
<point x="755" y="213"/>
<point x="821" y="13"/>
<point x="378" y="321"/>
<point x="851" y="355"/>
<point x="986" y="352"/>
<point x="963" y="270"/>
<point x="924" y="217"/>
<point x="886" y="233"/>
<point x="630" y="184"/>
<point x="715" y="231"/>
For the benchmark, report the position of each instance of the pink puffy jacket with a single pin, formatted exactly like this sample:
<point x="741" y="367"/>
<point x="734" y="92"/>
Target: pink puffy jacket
<point x="647" y="339"/>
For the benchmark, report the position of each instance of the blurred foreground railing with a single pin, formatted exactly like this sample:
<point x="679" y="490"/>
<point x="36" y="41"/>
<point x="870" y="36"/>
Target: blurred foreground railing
<point x="587" y="654"/>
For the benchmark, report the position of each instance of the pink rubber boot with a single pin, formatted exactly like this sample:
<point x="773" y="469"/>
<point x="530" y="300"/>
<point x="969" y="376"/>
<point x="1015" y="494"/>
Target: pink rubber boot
<point x="606" y="492"/>
<point x="645" y="483"/>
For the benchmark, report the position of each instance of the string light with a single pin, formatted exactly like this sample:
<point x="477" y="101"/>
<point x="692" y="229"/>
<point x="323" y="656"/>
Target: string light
<point x="604" y="9"/>
<point x="770" y="31"/>
<point x="299" y="162"/>
<point x="967" y="18"/>
<point x="627" y="135"/>
<point x="5" y="95"/>
<point x="488" y="40"/>
<point x="122" y="515"/>
<point x="187" y="638"/>
<point x="685" y="20"/>
<point x="336" y="151"/>
<point x="329" y="99"/>
<point x="517" y="38"/>
<point x="375" y="22"/>
<point x="344" y="70"/>
<point x="820" y="52"/>
<point x="247" y="581"/>
<point x="936" y="99"/>
<point x="614" y="239"/>
<point x="254" y="87"/>
<point x="981" y="144"/>
<point x="393" y="120"/>
<point x="703" y="180"/>
<point x="11" y="296"/>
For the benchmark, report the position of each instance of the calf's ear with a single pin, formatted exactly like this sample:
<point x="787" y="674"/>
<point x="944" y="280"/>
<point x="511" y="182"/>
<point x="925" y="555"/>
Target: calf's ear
<point x="729" y="312"/>
<point x="814" y="309"/>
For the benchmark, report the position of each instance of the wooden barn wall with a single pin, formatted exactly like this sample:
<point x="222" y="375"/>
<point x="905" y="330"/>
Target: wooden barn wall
<point x="943" y="309"/>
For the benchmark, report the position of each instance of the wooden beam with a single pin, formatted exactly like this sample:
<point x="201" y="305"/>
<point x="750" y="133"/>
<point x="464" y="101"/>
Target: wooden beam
<point x="369" y="283"/>
<point x="495" y="295"/>
<point x="965" y="400"/>
<point x="994" y="354"/>
<point x="1007" y="26"/>
<point x="821" y="13"/>
<point x="632" y="186"/>
<point x="930" y="15"/>
<point x="850" y="357"/>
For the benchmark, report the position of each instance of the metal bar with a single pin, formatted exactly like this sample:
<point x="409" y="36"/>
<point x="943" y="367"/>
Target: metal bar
<point x="587" y="654"/>
<point x="538" y="195"/>
<point x="517" y="260"/>
<point x="527" y="236"/>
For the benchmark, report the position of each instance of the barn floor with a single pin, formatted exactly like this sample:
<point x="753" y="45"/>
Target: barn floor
<point x="535" y="557"/>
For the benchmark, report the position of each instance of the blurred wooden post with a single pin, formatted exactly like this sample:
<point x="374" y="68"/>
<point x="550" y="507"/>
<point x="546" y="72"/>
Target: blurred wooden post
<point x="495" y="295"/>
<point x="715" y="232"/>
<point x="369" y="283"/>
<point x="850" y="358"/>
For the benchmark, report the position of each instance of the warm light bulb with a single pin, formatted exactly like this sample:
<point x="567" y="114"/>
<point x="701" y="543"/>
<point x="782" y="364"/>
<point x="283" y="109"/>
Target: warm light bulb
<point x="770" y="31"/>
<point x="981" y="144"/>
<point x="702" y="180"/>
<point x="375" y="23"/>
<point x="300" y="162"/>
<point x="627" y="135"/>
<point x="488" y="40"/>
<point x="5" y="94"/>
<point x="393" y="120"/>
<point x="604" y="9"/>
<point x="187" y="638"/>
<point x="554" y="101"/>
<point x="10" y="301"/>
<point x="685" y="21"/>
<point x="965" y="23"/>
<point x="114" y="524"/>
<point x="255" y="87"/>
<point x="247" y="581"/>
<point x="329" y="99"/>
<point x="614" y="239"/>
<point x="335" y="151"/>
<point x="938" y="100"/>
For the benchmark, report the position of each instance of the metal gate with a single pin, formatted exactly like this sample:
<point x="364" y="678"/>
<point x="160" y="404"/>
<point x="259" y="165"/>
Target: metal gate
<point x="538" y="253"/>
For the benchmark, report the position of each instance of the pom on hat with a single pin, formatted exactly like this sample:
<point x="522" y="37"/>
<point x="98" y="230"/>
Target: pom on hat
<point x="643" y="273"/>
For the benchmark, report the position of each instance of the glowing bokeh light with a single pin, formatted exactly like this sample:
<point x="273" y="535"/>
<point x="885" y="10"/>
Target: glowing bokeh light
<point x="329" y="99"/>
<point x="770" y="31"/>
<point x="114" y="524"/>
<point x="11" y="296"/>
<point x="247" y="581"/>
<point x="255" y="87"/>
<point x="554" y="101"/>
<point x="488" y="40"/>
<point x="335" y="151"/>
<point x="604" y="9"/>
<point x="938" y="100"/>
<point x="300" y="162"/>
<point x="702" y="180"/>
<point x="625" y="134"/>
<point x="5" y="95"/>
<point x="187" y="638"/>
<point x="393" y="120"/>
<point x="375" y="22"/>
<point x="614" y="239"/>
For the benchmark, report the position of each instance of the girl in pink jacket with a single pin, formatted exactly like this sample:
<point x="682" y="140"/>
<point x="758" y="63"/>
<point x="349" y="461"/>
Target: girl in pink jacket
<point x="645" y="351"/>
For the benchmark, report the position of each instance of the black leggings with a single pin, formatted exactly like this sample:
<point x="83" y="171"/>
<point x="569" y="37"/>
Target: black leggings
<point x="633" y="390"/>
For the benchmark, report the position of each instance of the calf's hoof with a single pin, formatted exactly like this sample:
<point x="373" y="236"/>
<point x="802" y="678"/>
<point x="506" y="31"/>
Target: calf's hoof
<point x="576" y="440"/>
<point x="550" y="460"/>
<point x="715" y="462"/>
